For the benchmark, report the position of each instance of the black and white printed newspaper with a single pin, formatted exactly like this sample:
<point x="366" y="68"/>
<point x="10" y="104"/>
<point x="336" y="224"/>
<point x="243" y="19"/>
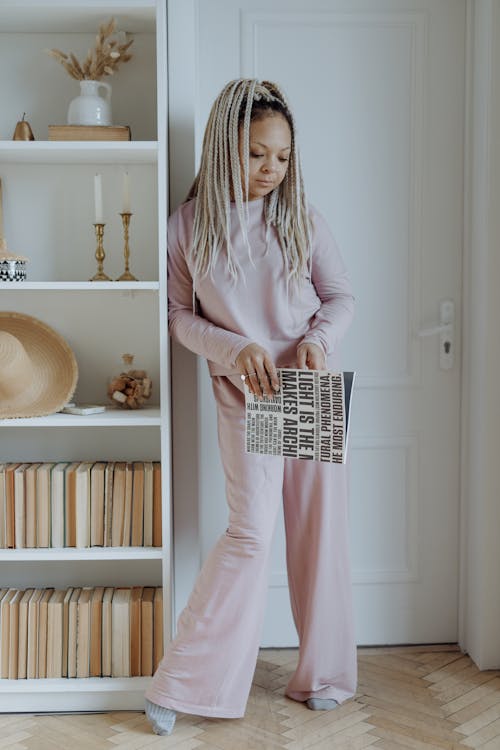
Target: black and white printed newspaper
<point x="308" y="418"/>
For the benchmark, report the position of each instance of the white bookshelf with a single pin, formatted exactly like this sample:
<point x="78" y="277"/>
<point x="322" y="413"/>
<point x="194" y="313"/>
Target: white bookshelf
<point x="48" y="216"/>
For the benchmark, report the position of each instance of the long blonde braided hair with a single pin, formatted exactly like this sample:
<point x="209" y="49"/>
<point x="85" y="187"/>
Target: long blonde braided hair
<point x="218" y="182"/>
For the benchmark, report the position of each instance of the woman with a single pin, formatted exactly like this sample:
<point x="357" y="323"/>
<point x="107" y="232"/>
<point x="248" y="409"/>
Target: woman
<point x="256" y="282"/>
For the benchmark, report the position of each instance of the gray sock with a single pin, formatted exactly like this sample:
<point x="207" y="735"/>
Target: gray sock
<point x="321" y="704"/>
<point x="162" y="719"/>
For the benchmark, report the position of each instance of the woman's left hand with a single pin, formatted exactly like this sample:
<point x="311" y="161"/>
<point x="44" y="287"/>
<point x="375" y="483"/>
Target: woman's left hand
<point x="310" y="356"/>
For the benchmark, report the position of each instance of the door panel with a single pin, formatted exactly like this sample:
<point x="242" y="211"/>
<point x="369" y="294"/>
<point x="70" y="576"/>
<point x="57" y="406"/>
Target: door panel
<point x="378" y="96"/>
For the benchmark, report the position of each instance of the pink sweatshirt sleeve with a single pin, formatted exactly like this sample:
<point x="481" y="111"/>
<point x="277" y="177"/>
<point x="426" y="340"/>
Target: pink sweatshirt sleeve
<point x="331" y="281"/>
<point x="192" y="330"/>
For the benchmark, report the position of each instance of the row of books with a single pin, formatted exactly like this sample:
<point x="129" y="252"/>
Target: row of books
<point x="89" y="133"/>
<point x="80" y="504"/>
<point x="80" y="632"/>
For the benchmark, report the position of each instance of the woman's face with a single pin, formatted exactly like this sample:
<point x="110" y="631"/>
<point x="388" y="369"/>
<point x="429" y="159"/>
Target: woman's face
<point x="270" y="145"/>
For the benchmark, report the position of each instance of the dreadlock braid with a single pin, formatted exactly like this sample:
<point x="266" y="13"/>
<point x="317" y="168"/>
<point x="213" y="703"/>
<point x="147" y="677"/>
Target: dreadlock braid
<point x="219" y="180"/>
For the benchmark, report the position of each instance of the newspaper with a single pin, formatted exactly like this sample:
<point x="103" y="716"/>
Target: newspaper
<point x="308" y="418"/>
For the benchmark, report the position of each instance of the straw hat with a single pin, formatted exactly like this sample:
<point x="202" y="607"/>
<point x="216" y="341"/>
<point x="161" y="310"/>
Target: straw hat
<point x="38" y="370"/>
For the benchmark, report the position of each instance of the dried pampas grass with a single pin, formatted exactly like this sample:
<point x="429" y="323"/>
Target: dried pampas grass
<point x="103" y="60"/>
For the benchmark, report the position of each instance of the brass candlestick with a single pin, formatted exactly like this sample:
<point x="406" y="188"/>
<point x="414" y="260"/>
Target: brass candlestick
<point x="126" y="275"/>
<point x="100" y="254"/>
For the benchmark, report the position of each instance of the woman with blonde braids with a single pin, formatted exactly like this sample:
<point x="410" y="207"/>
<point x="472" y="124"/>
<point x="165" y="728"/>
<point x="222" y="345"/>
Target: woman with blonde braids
<point x="256" y="282"/>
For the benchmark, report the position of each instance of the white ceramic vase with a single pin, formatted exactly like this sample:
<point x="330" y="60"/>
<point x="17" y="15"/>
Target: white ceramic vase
<point x="89" y="108"/>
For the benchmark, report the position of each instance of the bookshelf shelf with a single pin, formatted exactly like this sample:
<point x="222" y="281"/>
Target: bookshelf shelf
<point x="71" y="553"/>
<point x="61" y="16"/>
<point x="75" y="694"/>
<point x="48" y="211"/>
<point x="80" y="286"/>
<point x="78" y="152"/>
<point x="148" y="417"/>
<point x="74" y="685"/>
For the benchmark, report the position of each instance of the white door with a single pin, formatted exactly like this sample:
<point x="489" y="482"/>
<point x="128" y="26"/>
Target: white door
<point x="378" y="95"/>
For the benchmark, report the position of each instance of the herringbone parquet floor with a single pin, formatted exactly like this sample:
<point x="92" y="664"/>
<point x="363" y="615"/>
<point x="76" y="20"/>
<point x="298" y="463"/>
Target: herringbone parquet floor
<point x="414" y="697"/>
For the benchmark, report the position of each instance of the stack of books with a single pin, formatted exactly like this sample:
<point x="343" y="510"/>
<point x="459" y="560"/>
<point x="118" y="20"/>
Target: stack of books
<point x="89" y="133"/>
<point x="80" y="632"/>
<point x="80" y="504"/>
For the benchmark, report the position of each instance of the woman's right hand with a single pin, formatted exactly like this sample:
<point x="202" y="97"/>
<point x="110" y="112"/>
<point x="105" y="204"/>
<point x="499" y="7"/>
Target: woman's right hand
<point x="256" y="365"/>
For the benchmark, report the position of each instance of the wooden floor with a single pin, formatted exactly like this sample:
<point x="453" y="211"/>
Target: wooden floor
<point x="415" y="697"/>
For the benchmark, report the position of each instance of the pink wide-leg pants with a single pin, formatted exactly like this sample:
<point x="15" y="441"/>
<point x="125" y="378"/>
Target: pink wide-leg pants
<point x="208" y="668"/>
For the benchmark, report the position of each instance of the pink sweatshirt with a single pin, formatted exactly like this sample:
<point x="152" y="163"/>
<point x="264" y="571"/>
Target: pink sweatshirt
<point x="256" y="308"/>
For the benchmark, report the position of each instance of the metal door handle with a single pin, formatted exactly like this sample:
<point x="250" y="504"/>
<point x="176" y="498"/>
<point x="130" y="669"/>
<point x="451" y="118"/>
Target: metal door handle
<point x="436" y="329"/>
<point x="445" y="330"/>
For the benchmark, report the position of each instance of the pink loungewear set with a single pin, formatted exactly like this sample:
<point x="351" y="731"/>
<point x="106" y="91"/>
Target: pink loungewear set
<point x="208" y="667"/>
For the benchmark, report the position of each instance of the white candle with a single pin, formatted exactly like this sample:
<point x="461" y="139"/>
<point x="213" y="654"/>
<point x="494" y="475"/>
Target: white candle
<point x="126" y="194"/>
<point x="98" y="199"/>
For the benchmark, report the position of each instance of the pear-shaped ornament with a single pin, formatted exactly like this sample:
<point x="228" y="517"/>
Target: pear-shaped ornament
<point x="23" y="131"/>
